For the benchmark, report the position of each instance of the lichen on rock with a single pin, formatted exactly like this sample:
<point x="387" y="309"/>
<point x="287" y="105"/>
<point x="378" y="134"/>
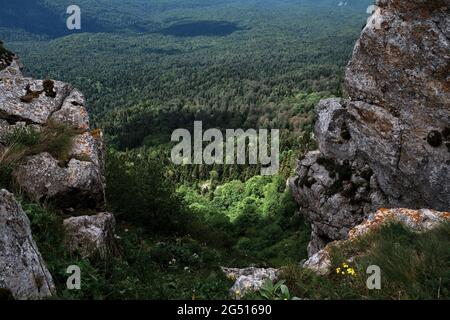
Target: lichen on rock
<point x="248" y="279"/>
<point x="91" y="236"/>
<point x="23" y="273"/>
<point x="391" y="135"/>
<point x="59" y="160"/>
<point x="416" y="220"/>
<point x="74" y="182"/>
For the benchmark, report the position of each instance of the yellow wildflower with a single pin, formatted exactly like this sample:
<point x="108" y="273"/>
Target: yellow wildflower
<point x="351" y="271"/>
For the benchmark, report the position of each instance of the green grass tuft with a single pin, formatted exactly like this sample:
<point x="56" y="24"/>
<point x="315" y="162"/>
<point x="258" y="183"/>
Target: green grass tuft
<point x="23" y="142"/>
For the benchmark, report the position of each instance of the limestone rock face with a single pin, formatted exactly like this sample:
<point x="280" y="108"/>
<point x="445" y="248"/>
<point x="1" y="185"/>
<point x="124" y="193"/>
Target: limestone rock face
<point x="91" y="235"/>
<point x="388" y="145"/>
<point x="78" y="184"/>
<point x="401" y="62"/>
<point x="249" y="279"/>
<point x="400" y="82"/>
<point x="319" y="262"/>
<point x="416" y="220"/>
<point x="72" y="180"/>
<point x="26" y="102"/>
<point x="23" y="273"/>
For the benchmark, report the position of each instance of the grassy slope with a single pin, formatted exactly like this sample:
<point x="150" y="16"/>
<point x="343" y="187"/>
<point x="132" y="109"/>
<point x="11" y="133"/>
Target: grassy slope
<point x="413" y="266"/>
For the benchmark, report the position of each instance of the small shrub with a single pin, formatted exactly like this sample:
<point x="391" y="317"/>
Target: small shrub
<point x="30" y="95"/>
<point x="55" y="139"/>
<point x="49" y="88"/>
<point x="22" y="142"/>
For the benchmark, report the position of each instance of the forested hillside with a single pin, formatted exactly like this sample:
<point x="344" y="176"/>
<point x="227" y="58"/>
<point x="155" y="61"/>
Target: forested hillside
<point x="44" y="19"/>
<point x="232" y="64"/>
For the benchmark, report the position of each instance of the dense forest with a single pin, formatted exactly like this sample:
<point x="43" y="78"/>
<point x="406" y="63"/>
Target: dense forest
<point x="231" y="65"/>
<point x="150" y="67"/>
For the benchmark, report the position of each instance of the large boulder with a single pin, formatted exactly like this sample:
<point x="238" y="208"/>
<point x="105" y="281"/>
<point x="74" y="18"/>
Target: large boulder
<point x="23" y="274"/>
<point x="388" y="145"/>
<point x="398" y="80"/>
<point x="78" y="184"/>
<point x="91" y="236"/>
<point x="249" y="279"/>
<point x="42" y="104"/>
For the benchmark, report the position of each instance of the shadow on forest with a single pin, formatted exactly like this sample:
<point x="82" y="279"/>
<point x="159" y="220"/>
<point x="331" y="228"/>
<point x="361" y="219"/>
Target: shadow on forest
<point x="35" y="18"/>
<point x="133" y="130"/>
<point x="201" y="28"/>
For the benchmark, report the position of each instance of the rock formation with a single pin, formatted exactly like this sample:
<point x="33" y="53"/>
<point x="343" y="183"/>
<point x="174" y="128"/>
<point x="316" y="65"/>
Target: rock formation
<point x="91" y="235"/>
<point x="388" y="145"/>
<point x="23" y="273"/>
<point x="249" y="279"/>
<point x="39" y="104"/>
<point x="75" y="181"/>
<point x="416" y="220"/>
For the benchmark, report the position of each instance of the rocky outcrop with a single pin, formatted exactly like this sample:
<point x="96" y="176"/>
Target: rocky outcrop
<point x="77" y="184"/>
<point x="69" y="173"/>
<point x="388" y="145"/>
<point x="91" y="235"/>
<point x="40" y="104"/>
<point x="320" y="262"/>
<point x="416" y="220"/>
<point x="249" y="279"/>
<point x="23" y="274"/>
